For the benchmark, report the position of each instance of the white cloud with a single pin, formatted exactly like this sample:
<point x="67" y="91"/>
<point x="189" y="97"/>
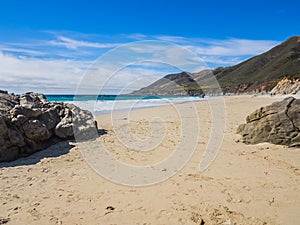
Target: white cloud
<point x="23" y="74"/>
<point x="234" y="47"/>
<point x="136" y="36"/>
<point x="20" y="50"/>
<point x="74" y="44"/>
<point x="214" y="52"/>
<point x="222" y="61"/>
<point x="168" y="53"/>
<point x="105" y="77"/>
<point x="132" y="78"/>
<point x="29" y="74"/>
<point x="176" y="39"/>
<point x="227" y="47"/>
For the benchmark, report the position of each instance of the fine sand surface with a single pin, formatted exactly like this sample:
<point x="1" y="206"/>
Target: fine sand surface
<point x="245" y="184"/>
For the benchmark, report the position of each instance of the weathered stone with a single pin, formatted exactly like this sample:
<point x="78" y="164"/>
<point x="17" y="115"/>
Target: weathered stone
<point x="286" y="86"/>
<point x="16" y="138"/>
<point x="277" y="123"/>
<point x="35" y="130"/>
<point x="3" y="126"/>
<point x="294" y="112"/>
<point x="29" y="123"/>
<point x="19" y="120"/>
<point x="28" y="112"/>
<point x="50" y="118"/>
<point x="64" y="128"/>
<point x="7" y="102"/>
<point x="33" y="100"/>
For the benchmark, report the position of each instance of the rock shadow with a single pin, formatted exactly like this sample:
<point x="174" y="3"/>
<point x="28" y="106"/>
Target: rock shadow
<point x="53" y="151"/>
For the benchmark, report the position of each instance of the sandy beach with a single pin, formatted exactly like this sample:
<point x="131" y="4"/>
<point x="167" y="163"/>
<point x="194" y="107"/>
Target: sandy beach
<point x="245" y="184"/>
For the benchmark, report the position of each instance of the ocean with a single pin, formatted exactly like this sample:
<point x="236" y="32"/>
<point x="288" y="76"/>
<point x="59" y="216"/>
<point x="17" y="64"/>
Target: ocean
<point x="104" y="104"/>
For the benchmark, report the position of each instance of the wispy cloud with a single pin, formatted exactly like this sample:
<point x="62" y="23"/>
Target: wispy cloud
<point x="223" y="52"/>
<point x="20" y="50"/>
<point x="136" y="36"/>
<point x="176" y="39"/>
<point x="74" y="44"/>
<point x="224" y="47"/>
<point x="233" y="47"/>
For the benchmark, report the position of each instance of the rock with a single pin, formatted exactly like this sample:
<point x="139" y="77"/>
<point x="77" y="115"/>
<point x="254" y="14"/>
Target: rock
<point x="286" y="86"/>
<point x="3" y="126"/>
<point x="64" y="128"/>
<point x="15" y="138"/>
<point x="3" y="92"/>
<point x="278" y="123"/>
<point x="33" y="100"/>
<point x="29" y="123"/>
<point x="25" y="111"/>
<point x="7" y="102"/>
<point x="35" y="130"/>
<point x="50" y="118"/>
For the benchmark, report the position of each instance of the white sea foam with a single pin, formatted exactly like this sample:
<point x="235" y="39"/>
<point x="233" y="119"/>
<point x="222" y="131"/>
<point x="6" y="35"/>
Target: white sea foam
<point x="109" y="106"/>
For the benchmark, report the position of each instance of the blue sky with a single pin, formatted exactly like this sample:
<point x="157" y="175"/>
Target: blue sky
<point x="47" y="46"/>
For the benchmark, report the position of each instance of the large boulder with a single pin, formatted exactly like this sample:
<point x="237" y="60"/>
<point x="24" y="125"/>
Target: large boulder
<point x="29" y="123"/>
<point x="278" y="123"/>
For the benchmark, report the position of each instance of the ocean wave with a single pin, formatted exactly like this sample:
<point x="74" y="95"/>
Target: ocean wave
<point x="98" y="107"/>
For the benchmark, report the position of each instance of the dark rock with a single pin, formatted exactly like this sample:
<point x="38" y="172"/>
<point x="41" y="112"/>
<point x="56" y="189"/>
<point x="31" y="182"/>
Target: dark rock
<point x="27" y="112"/>
<point x="3" y="92"/>
<point x="278" y="123"/>
<point x="7" y="102"/>
<point x="16" y="138"/>
<point x="50" y="118"/>
<point x="35" y="130"/>
<point x="3" y="126"/>
<point x="29" y="123"/>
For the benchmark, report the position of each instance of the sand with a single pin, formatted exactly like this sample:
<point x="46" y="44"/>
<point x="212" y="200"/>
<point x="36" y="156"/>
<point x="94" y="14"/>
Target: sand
<point x="245" y="184"/>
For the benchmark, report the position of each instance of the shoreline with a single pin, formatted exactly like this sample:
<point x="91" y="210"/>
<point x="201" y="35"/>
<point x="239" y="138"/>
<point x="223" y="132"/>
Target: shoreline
<point x="275" y="97"/>
<point x="84" y="104"/>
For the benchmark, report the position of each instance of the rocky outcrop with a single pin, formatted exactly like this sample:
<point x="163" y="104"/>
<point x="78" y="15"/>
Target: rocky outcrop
<point x="287" y="86"/>
<point x="278" y="123"/>
<point x="253" y="88"/>
<point x="29" y="123"/>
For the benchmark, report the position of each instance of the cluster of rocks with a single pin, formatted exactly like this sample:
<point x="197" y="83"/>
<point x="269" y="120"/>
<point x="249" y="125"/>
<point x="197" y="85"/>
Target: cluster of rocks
<point x="29" y="123"/>
<point x="278" y="123"/>
<point x="287" y="86"/>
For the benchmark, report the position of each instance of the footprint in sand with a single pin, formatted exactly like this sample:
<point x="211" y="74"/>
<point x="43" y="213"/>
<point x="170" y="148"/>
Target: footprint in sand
<point x="4" y="220"/>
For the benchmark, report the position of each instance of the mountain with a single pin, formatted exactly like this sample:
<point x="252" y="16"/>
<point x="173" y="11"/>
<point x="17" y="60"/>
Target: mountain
<point x="257" y="74"/>
<point x="173" y="84"/>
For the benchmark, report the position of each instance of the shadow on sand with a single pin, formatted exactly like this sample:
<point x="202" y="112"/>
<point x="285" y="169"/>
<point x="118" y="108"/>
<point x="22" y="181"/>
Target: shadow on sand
<point x="53" y="151"/>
